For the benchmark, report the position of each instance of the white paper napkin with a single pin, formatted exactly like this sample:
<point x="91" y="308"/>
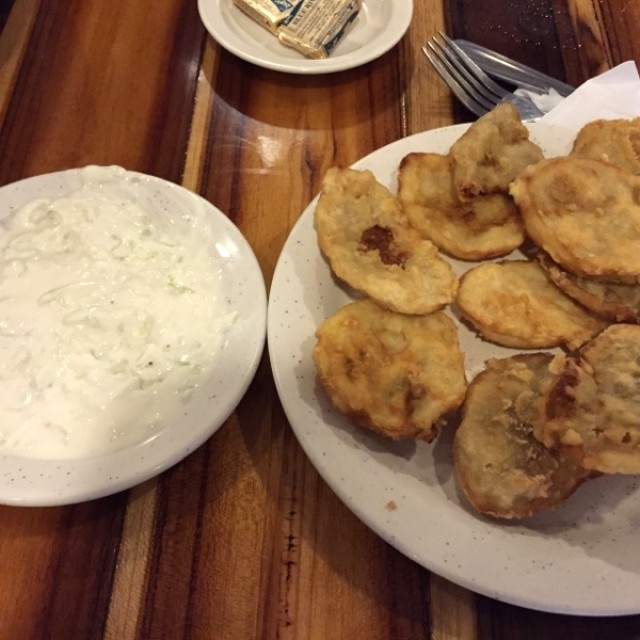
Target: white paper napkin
<point x="613" y="94"/>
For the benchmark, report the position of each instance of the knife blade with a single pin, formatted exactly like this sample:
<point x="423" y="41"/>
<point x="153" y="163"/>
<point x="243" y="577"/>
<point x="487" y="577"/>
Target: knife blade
<point x="516" y="73"/>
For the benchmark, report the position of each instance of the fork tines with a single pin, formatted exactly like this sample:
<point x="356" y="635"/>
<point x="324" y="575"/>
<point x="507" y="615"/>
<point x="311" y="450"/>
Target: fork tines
<point x="474" y="88"/>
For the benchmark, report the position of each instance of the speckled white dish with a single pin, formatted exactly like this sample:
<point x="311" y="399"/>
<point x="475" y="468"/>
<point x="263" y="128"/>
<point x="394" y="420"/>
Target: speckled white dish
<point x="377" y="28"/>
<point x="580" y="559"/>
<point x="31" y="482"/>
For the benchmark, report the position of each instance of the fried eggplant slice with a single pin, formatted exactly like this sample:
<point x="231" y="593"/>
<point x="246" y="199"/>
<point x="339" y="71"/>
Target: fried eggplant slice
<point x="615" y="141"/>
<point x="502" y="469"/>
<point x="592" y="408"/>
<point x="476" y="229"/>
<point x="616" y="302"/>
<point x="585" y="214"/>
<point x="515" y="304"/>
<point x="395" y="374"/>
<point x="371" y="246"/>
<point x="492" y="152"/>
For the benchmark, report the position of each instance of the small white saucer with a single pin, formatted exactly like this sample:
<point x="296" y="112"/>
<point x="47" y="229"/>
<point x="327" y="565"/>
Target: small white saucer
<point x="378" y="27"/>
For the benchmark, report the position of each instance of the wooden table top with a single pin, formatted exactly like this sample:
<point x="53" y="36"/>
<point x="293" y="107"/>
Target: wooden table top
<point x="243" y="539"/>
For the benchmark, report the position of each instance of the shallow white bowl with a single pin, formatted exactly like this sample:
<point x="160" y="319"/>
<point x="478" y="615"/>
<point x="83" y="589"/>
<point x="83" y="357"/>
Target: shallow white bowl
<point x="38" y="482"/>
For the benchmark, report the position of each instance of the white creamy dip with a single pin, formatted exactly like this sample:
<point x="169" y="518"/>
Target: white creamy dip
<point x="111" y="314"/>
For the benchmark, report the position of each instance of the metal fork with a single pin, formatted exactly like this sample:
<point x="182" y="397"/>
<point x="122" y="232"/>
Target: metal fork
<point x="474" y="88"/>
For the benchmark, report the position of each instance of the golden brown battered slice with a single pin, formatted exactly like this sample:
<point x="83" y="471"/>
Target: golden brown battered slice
<point x="483" y="227"/>
<point x="492" y="152"/>
<point x="585" y="214"/>
<point x="515" y="304"/>
<point x="592" y="409"/>
<point x="392" y="373"/>
<point x="615" y="302"/>
<point x="503" y="470"/>
<point x="370" y="245"/>
<point x="614" y="141"/>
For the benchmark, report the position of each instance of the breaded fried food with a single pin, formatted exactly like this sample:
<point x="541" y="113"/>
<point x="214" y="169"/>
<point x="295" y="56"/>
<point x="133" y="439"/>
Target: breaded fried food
<point x="614" y="141"/>
<point x="483" y="227"/>
<point x="585" y="214"/>
<point x="392" y="373"/>
<point x="492" y="152"/>
<point x="371" y="246"/>
<point x="615" y="302"/>
<point x="502" y="469"/>
<point x="592" y="409"/>
<point x="515" y="304"/>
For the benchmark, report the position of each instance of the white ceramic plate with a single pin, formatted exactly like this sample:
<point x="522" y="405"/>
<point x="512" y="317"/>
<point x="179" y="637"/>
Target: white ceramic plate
<point x="580" y="559"/>
<point x="378" y="27"/>
<point x="25" y="481"/>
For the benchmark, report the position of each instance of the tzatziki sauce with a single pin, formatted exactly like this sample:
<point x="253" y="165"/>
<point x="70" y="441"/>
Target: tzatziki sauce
<point x="111" y="314"/>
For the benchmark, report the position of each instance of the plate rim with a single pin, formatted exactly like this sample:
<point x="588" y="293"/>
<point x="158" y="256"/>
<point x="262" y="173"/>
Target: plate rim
<point x="366" y="515"/>
<point x="134" y="475"/>
<point x="212" y="17"/>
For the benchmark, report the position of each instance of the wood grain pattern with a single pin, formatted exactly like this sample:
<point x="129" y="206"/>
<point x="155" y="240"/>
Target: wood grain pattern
<point x="131" y="106"/>
<point x="13" y="45"/>
<point x="453" y="611"/>
<point x="243" y="539"/>
<point x="126" y="606"/>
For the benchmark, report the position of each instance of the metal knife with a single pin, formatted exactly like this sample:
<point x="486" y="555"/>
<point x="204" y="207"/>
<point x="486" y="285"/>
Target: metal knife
<point x="516" y="73"/>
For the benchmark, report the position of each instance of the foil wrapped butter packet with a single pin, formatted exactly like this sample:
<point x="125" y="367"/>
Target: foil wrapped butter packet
<point x="315" y="27"/>
<point x="312" y="27"/>
<point x="269" y="13"/>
